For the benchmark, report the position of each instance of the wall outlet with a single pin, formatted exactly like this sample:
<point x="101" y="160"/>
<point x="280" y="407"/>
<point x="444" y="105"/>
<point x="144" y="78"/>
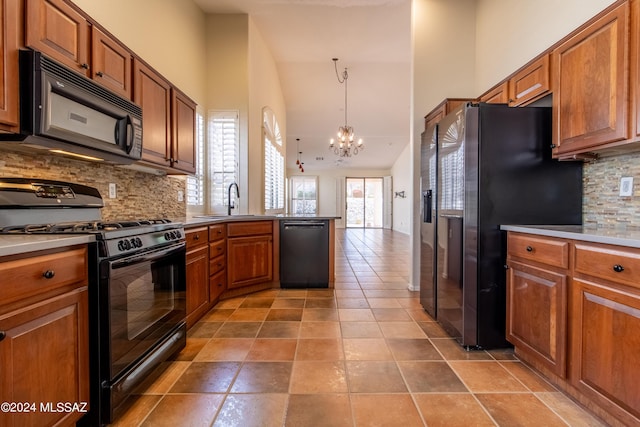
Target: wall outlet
<point x="112" y="190"/>
<point x="180" y="196"/>
<point x="626" y="186"/>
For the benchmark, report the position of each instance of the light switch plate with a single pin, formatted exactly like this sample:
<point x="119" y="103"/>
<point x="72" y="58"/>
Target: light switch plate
<point x="180" y="196"/>
<point x="626" y="186"/>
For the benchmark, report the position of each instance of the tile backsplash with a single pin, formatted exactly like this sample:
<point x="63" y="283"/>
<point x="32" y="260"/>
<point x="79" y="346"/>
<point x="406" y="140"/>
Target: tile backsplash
<point x="602" y="204"/>
<point x="139" y="195"/>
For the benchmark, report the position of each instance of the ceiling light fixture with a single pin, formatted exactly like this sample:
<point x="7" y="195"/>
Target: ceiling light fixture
<point x="299" y="159"/>
<point x="346" y="137"/>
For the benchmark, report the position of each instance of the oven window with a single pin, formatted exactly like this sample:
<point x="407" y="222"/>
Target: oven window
<point x="146" y="302"/>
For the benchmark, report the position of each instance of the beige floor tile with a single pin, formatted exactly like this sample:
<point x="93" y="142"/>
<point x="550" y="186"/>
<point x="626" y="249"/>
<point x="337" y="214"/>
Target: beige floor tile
<point x="137" y="408"/>
<point x="320" y="349"/>
<point x="451" y="350"/>
<point x="519" y="409"/>
<point x="206" y="377"/>
<point x="161" y="384"/>
<point x="252" y="410"/>
<point x="269" y="349"/>
<point x="384" y="303"/>
<point x="530" y="379"/>
<point x="355" y="315"/>
<point x="195" y="410"/>
<point x="391" y="314"/>
<point x="360" y="330"/>
<point x="318" y="377"/>
<point x="248" y="315"/>
<point x="263" y="377"/>
<point x="568" y="410"/>
<point x="387" y="410"/>
<point x="401" y="330"/>
<point x="375" y="377"/>
<point x="486" y="376"/>
<point x="366" y="349"/>
<point x="319" y="315"/>
<point x="319" y="410"/>
<point x="452" y="410"/>
<point x="218" y="349"/>
<point x="320" y="330"/>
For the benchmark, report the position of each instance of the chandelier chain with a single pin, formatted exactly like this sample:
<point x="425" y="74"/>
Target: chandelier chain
<point x="345" y="133"/>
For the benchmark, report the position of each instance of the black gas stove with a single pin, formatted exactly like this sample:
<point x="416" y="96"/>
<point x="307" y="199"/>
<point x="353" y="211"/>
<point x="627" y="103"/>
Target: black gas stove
<point x="137" y="283"/>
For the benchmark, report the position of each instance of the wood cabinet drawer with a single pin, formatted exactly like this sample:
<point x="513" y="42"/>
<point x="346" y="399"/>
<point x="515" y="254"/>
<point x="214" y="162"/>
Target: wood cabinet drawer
<point x="217" y="285"/>
<point x="217" y="248"/>
<point x="196" y="237"/>
<point x="541" y="249"/>
<point x="621" y="265"/>
<point x="249" y="228"/>
<point x="217" y="232"/>
<point x="40" y="274"/>
<point x="217" y="264"/>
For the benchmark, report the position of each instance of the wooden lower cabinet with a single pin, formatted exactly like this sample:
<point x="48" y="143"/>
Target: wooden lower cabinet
<point x="536" y="314"/>
<point x="217" y="285"/>
<point x="250" y="260"/>
<point x="217" y="262"/>
<point x="197" y="284"/>
<point x="44" y="338"/>
<point x="605" y="343"/>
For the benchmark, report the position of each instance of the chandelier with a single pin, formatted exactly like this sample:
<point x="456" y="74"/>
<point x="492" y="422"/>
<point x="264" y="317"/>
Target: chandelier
<point x="346" y="136"/>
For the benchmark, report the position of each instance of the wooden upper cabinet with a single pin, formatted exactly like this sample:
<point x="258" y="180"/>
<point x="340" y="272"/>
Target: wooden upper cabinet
<point x="635" y="68"/>
<point x="183" y="111"/>
<point x="111" y="63"/>
<point x="59" y="31"/>
<point x="9" y="83"/>
<point x="444" y="108"/>
<point x="590" y="81"/>
<point x="530" y="83"/>
<point x="497" y="95"/>
<point x="153" y="94"/>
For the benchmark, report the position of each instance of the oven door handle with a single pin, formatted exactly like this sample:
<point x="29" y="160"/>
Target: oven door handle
<point x="150" y="256"/>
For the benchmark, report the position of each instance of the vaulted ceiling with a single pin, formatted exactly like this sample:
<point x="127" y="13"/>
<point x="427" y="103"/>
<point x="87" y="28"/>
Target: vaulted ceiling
<point x="372" y="39"/>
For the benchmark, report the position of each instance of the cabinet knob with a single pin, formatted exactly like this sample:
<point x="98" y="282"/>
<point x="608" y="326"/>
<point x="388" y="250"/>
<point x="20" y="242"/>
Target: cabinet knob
<point x="618" y="268"/>
<point x="553" y="146"/>
<point x="99" y="74"/>
<point x="49" y="274"/>
<point x="3" y="334"/>
<point x="196" y="237"/>
<point x="529" y="249"/>
<point x="85" y="66"/>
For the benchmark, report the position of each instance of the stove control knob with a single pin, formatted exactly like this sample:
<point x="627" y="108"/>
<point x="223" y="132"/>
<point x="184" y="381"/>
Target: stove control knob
<point x="120" y="246"/>
<point x="167" y="236"/>
<point x="138" y="242"/>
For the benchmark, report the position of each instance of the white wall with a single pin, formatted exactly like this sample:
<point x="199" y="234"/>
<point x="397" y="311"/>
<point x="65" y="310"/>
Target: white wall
<point x="264" y="91"/>
<point x="169" y="35"/>
<point x="509" y="33"/>
<point x="402" y="181"/>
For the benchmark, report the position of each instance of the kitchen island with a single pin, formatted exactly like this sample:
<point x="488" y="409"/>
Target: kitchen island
<point x="573" y="312"/>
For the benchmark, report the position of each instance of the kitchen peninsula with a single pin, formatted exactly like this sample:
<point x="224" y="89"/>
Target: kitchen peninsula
<point x="235" y="255"/>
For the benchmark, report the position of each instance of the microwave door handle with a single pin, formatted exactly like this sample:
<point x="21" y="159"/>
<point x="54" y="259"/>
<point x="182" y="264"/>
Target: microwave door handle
<point x="129" y="130"/>
<point x="128" y="133"/>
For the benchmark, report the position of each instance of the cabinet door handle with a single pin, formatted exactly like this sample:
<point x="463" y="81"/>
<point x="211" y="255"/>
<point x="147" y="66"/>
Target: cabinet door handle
<point x="49" y="274"/>
<point x="529" y="249"/>
<point x="99" y="74"/>
<point x="85" y="66"/>
<point x="3" y="334"/>
<point x="196" y="237"/>
<point x="618" y="268"/>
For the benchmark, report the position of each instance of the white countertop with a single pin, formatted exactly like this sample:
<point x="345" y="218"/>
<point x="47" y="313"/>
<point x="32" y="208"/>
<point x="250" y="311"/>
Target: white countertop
<point x="23" y="243"/>
<point x="611" y="236"/>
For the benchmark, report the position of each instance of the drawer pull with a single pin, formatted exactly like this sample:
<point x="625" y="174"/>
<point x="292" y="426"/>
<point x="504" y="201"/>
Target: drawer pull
<point x="196" y="237"/>
<point x="618" y="268"/>
<point x="49" y="274"/>
<point x="529" y="249"/>
<point x="3" y="334"/>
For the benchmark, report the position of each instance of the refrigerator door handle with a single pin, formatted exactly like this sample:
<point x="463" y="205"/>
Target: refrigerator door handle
<point x="427" y="202"/>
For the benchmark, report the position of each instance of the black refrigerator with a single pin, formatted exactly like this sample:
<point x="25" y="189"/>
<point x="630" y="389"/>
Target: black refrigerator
<point x="485" y="165"/>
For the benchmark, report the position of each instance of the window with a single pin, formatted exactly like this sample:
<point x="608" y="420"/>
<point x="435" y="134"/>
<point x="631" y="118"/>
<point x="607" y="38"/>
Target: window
<point x="304" y="195"/>
<point x="222" y="155"/>
<point x="195" y="184"/>
<point x="273" y="164"/>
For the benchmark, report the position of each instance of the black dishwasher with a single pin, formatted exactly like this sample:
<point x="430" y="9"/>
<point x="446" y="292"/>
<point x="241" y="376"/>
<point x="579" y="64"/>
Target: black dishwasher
<point x="304" y="253"/>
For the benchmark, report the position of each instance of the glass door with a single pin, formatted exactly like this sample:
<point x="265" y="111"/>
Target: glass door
<point x="364" y="202"/>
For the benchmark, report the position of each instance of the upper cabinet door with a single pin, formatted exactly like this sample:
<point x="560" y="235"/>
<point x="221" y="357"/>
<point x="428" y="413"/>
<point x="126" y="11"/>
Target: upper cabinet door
<point x="111" y="63"/>
<point x="530" y="83"/>
<point x="9" y="30"/>
<point x="59" y="31"/>
<point x="590" y="81"/>
<point x="183" y="154"/>
<point x="497" y="95"/>
<point x="153" y="94"/>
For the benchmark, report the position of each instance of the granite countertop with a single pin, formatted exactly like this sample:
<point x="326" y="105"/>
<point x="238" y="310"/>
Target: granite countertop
<point x="212" y="219"/>
<point x="23" y="243"/>
<point x="611" y="236"/>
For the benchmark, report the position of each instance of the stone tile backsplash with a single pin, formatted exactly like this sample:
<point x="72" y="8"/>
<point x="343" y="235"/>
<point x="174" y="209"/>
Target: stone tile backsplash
<point x="139" y="195"/>
<point x="602" y="204"/>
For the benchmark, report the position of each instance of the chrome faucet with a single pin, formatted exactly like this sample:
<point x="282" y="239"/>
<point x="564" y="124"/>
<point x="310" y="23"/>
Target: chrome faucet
<point x="229" y="205"/>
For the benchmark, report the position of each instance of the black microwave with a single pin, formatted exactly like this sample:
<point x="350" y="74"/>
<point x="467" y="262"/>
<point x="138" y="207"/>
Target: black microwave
<point x="65" y="112"/>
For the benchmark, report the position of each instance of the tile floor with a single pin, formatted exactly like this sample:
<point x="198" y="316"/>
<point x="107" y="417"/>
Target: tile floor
<point x="362" y="354"/>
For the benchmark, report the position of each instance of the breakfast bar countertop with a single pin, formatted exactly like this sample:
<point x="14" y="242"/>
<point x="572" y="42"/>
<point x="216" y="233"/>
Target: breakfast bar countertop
<point x="612" y="236"/>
